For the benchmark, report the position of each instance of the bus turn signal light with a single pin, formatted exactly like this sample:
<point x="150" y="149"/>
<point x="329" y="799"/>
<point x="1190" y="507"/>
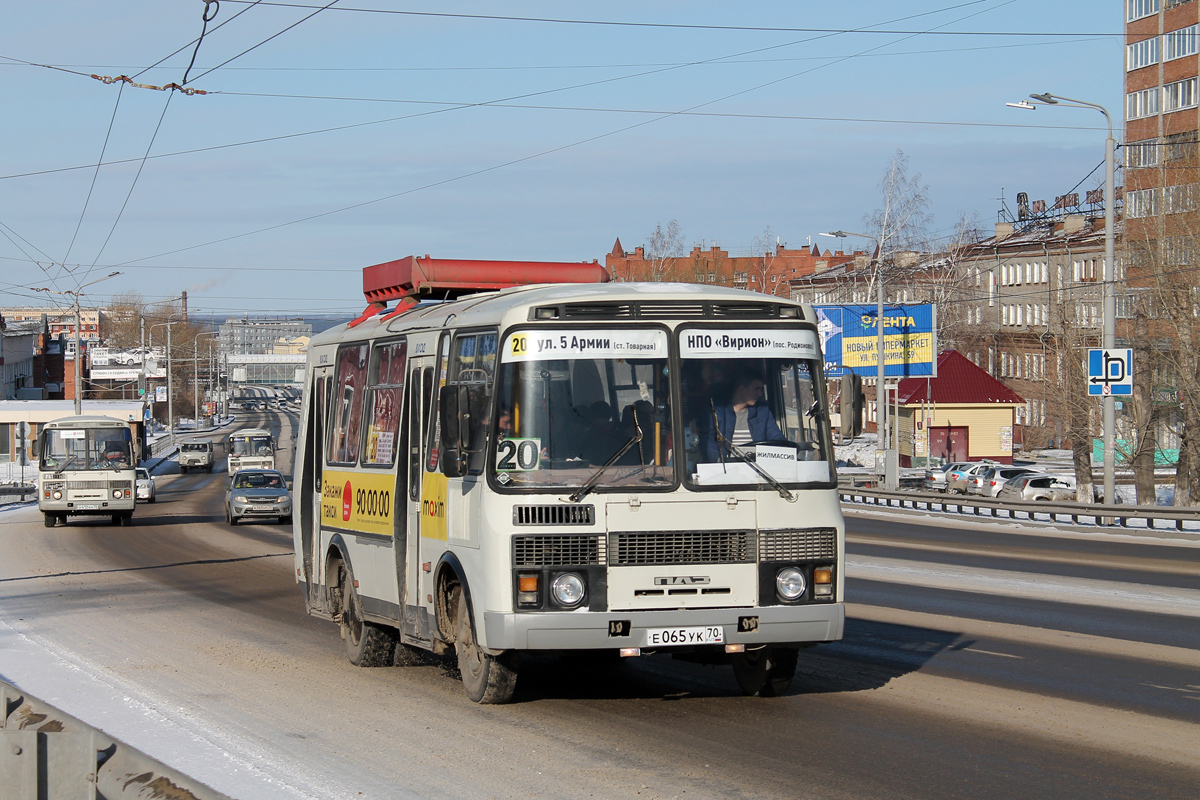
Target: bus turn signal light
<point x="527" y="590"/>
<point x="822" y="582"/>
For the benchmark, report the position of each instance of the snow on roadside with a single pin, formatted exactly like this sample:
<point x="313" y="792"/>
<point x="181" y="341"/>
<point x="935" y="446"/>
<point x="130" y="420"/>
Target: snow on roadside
<point x="225" y="760"/>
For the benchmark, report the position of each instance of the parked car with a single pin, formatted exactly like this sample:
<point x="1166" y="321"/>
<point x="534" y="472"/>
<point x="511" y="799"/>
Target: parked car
<point x="1049" y="488"/>
<point x="144" y="486"/>
<point x="258" y="493"/>
<point x="935" y="477"/>
<point x="957" y="479"/>
<point x="989" y="482"/>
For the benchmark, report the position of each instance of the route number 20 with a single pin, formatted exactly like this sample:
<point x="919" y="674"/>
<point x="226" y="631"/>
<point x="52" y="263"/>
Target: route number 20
<point x="518" y="455"/>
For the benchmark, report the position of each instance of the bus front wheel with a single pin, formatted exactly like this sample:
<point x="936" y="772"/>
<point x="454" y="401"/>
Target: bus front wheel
<point x="367" y="644"/>
<point x="488" y="679"/>
<point x="51" y="519"/>
<point x="766" y="672"/>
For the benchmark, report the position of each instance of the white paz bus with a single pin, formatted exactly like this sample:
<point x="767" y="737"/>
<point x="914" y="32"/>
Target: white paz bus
<point x="564" y="464"/>
<point x="86" y="468"/>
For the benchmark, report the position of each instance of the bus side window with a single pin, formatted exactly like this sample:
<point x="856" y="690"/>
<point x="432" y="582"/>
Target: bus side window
<point x="346" y="408"/>
<point x="474" y="368"/>
<point x="433" y="447"/>
<point x="414" y="433"/>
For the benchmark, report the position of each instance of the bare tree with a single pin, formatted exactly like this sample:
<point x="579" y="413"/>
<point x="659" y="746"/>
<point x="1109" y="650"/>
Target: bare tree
<point x="902" y="222"/>
<point x="764" y="261"/>
<point x="664" y="250"/>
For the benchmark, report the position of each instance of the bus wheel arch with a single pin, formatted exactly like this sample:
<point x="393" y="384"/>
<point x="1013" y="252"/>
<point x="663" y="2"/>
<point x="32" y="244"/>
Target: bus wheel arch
<point x="489" y="677"/>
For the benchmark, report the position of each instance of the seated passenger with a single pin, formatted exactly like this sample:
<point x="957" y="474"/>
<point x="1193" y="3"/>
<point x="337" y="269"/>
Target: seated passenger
<point x="740" y="417"/>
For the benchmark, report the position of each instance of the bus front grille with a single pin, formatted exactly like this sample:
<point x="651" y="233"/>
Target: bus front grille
<point x="798" y="545"/>
<point x="548" y="550"/>
<point x="554" y="515"/>
<point x="98" y="486"/>
<point x="681" y="547"/>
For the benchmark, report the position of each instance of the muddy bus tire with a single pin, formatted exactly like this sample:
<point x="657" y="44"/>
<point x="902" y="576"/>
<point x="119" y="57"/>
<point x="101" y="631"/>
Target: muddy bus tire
<point x="766" y="672"/>
<point x="367" y="644"/>
<point x="488" y="679"/>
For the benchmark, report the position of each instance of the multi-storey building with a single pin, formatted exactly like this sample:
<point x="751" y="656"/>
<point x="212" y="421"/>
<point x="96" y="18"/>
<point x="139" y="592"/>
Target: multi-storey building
<point x="258" y="335"/>
<point x="62" y="321"/>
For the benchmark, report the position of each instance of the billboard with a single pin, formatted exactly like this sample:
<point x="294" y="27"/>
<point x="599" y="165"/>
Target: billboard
<point x="850" y="339"/>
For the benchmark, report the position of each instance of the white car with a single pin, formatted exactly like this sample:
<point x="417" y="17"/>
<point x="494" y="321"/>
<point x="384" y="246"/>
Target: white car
<point x="145" y="485"/>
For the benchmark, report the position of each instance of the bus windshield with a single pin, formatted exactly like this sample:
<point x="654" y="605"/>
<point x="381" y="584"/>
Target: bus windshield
<point x="753" y="396"/>
<point x="86" y="449"/>
<point x="251" y="445"/>
<point x="569" y="402"/>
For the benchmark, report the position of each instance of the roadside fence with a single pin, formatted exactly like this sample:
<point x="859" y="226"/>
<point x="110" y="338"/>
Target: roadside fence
<point x="1119" y="515"/>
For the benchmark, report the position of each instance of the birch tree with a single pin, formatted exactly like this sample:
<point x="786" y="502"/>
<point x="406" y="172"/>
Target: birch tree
<point x="664" y="250"/>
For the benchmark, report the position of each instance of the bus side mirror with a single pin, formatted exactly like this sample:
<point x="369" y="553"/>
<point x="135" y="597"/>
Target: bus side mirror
<point x="35" y="447"/>
<point x="452" y="400"/>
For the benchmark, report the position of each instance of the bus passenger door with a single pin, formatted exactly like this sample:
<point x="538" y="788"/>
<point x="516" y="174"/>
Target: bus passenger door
<point x="308" y="495"/>
<point x="416" y="415"/>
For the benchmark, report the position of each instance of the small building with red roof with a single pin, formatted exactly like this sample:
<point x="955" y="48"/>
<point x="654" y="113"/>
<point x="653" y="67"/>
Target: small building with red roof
<point x="964" y="414"/>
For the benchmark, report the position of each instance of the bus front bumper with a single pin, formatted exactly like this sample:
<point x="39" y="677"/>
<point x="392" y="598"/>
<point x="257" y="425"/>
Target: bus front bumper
<point x="588" y="630"/>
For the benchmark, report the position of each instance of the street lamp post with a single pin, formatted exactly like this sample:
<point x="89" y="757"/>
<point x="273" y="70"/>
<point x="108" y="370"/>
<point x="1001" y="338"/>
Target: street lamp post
<point x="1109" y="336"/>
<point x="79" y="324"/>
<point x="171" y="320"/>
<point x="196" y="371"/>
<point x="890" y="476"/>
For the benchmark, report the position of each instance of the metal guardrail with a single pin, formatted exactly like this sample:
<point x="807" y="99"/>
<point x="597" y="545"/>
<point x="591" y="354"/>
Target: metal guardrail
<point x="12" y="472"/>
<point x="163" y="444"/>
<point x="47" y="753"/>
<point x="1100" y="514"/>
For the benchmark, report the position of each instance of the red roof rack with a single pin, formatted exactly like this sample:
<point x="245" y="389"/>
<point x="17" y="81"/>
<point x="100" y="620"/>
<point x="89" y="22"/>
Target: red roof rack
<point x="409" y="279"/>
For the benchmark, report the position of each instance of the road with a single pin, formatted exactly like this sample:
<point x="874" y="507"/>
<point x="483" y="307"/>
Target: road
<point x="985" y="661"/>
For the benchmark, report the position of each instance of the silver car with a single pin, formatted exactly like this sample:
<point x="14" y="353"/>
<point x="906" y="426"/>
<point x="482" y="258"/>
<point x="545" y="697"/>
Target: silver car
<point x="144" y="486"/>
<point x="935" y="477"/>
<point x="991" y="481"/>
<point x="257" y="494"/>
<point x="1048" y="488"/>
<point x="957" y="480"/>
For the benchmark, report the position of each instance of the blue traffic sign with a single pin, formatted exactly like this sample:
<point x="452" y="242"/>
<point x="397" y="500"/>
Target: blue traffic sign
<point x="1110" y="372"/>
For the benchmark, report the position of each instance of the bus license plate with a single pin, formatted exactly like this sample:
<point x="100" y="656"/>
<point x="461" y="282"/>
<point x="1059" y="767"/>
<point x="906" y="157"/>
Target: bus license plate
<point x="86" y="507"/>
<point x="665" y="637"/>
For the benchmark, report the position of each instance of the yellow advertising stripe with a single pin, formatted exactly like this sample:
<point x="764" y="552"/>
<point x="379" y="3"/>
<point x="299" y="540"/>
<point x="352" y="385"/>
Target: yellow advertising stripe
<point x="433" y="506"/>
<point x="359" y="501"/>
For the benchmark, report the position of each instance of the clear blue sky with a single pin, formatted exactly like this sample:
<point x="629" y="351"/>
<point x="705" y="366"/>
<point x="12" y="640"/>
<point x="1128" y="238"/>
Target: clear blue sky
<point x="511" y="138"/>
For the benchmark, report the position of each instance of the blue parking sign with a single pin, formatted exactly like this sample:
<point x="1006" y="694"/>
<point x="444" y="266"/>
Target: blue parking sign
<point x="1110" y="372"/>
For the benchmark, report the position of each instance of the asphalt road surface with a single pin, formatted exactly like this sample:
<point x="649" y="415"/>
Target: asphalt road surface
<point x="980" y="661"/>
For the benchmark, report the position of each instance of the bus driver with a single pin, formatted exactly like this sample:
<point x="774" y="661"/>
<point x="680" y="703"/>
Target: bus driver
<point x="741" y="419"/>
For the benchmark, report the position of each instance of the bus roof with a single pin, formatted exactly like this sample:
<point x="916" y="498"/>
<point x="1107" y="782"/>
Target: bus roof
<point x="596" y="303"/>
<point x="91" y="421"/>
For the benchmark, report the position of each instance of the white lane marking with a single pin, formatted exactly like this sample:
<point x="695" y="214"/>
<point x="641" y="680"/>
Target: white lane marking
<point x="1006" y="583"/>
<point x="991" y="653"/>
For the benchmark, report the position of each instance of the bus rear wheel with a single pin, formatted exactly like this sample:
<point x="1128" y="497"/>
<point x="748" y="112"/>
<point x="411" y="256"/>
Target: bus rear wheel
<point x="766" y="672"/>
<point x="488" y="679"/>
<point x="367" y="644"/>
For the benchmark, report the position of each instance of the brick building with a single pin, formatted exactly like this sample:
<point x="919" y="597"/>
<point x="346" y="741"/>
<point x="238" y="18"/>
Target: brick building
<point x="769" y="273"/>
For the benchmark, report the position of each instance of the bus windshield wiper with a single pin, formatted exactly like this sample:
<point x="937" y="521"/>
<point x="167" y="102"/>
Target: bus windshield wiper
<point x="592" y="481"/>
<point x="784" y="492"/>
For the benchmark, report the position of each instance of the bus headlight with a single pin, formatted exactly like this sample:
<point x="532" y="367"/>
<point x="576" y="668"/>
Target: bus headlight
<point x="57" y="495"/>
<point x="567" y="589"/>
<point x="790" y="583"/>
<point x="116" y="494"/>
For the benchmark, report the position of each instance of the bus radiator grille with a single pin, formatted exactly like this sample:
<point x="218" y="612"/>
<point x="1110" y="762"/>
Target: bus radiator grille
<point x="549" y="550"/>
<point x="554" y="515"/>
<point x="681" y="547"/>
<point x="91" y="486"/>
<point x="798" y="545"/>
